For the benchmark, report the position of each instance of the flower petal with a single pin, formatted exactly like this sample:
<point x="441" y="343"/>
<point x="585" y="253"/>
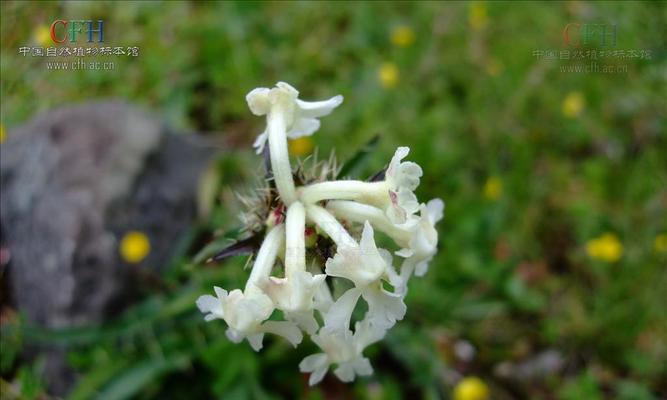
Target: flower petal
<point x="405" y="253"/>
<point x="258" y="101"/>
<point x="422" y="268"/>
<point x="304" y="320"/>
<point x="367" y="242"/>
<point x="317" y="375"/>
<point x="384" y="308"/>
<point x="285" y="329"/>
<point x="256" y="341"/>
<point x="407" y="200"/>
<point x="408" y="175"/>
<point x="303" y="127"/>
<point x="234" y="336"/>
<point x="317" y="364"/>
<point x="208" y="303"/>
<point x="288" y="88"/>
<point x="436" y="210"/>
<point x="362" y="366"/>
<point x="316" y="109"/>
<point x="394" y="211"/>
<point x="260" y="142"/>
<point x="400" y="153"/>
<point x="365" y="334"/>
<point x="220" y="292"/>
<point x="340" y="313"/>
<point x="313" y="362"/>
<point x="345" y="372"/>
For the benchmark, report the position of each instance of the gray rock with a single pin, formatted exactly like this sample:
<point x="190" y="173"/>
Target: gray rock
<point x="73" y="181"/>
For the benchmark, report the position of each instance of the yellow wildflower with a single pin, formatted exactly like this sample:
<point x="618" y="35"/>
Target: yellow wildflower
<point x="573" y="104"/>
<point x="605" y="248"/>
<point x="660" y="243"/>
<point x="3" y="134"/>
<point x="300" y="146"/>
<point x="493" y="188"/>
<point x="471" y="388"/>
<point x="494" y="67"/>
<point x="42" y="36"/>
<point x="402" y="36"/>
<point x="477" y="16"/>
<point x="388" y="75"/>
<point x="134" y="247"/>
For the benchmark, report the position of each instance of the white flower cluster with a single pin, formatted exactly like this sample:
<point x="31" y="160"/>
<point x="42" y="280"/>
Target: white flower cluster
<point x="389" y="206"/>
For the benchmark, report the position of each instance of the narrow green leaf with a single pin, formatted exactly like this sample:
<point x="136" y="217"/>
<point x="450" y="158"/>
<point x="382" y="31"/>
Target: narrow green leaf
<point x="216" y="246"/>
<point x="356" y="161"/>
<point x="131" y="381"/>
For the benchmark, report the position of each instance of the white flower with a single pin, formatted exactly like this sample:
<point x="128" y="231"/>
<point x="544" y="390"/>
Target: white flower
<point x="363" y="264"/>
<point x="246" y="312"/>
<point x="322" y="298"/>
<point x="402" y="179"/>
<point x="300" y="116"/>
<point x="367" y="266"/>
<point x="424" y="241"/>
<point x="394" y="194"/>
<point x="286" y="116"/>
<point x="295" y="296"/>
<point x="389" y="206"/>
<point x="340" y="346"/>
<point x="417" y="236"/>
<point x="246" y="315"/>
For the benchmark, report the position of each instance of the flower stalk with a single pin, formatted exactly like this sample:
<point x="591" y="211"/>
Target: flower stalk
<point x="280" y="165"/>
<point x="367" y="192"/>
<point x="266" y="257"/>
<point x="295" y="250"/>
<point x="331" y="226"/>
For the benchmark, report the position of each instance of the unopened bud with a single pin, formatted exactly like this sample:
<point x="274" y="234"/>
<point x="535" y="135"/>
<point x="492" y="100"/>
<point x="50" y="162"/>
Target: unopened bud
<point x="276" y="216"/>
<point x="311" y="237"/>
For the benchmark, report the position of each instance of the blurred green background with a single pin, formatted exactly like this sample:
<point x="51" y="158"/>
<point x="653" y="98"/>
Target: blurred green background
<point x="554" y="242"/>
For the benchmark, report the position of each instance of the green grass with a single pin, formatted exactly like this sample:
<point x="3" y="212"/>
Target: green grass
<point x="513" y="276"/>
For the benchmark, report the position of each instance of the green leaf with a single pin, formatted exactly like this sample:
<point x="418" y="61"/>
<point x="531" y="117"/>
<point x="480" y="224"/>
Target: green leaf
<point x="131" y="381"/>
<point x="583" y="386"/>
<point x="92" y="381"/>
<point x="216" y="246"/>
<point x="356" y="161"/>
<point x="133" y="321"/>
<point x="11" y="344"/>
<point x="629" y="390"/>
<point x="478" y="309"/>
